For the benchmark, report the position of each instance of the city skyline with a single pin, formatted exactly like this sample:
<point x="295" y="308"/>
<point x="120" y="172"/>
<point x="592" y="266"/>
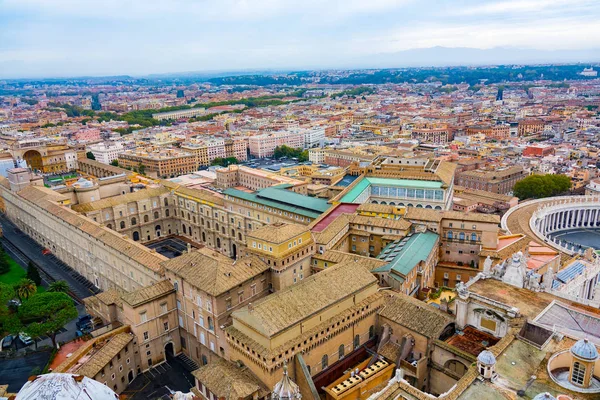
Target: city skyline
<point x="60" y="38"/>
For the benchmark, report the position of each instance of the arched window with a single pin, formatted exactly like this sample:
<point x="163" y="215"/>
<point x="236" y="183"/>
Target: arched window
<point x="155" y="214"/>
<point x="218" y="243"/>
<point x="578" y="374"/>
<point x="356" y="341"/>
<point x="371" y="332"/>
<point x="341" y="351"/>
<point x="136" y="236"/>
<point x="167" y="212"/>
<point x="461" y="236"/>
<point x="184" y="229"/>
<point x="194" y="218"/>
<point x="166" y="202"/>
<point x="324" y="362"/>
<point x="146" y="219"/>
<point x="157" y="228"/>
<point x="203" y="237"/>
<point x="450" y="235"/>
<point x="133" y="221"/>
<point x="122" y="224"/>
<point x="473" y="237"/>
<point x="109" y="226"/>
<point x="239" y="236"/>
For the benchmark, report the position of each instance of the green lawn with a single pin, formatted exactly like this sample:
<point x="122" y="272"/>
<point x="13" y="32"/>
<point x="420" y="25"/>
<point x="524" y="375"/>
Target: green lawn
<point x="15" y="274"/>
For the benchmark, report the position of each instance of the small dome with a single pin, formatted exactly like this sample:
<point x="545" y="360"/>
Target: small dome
<point x="585" y="350"/>
<point x="285" y="389"/>
<point x="544" y="396"/>
<point x="486" y="357"/>
<point x="65" y="387"/>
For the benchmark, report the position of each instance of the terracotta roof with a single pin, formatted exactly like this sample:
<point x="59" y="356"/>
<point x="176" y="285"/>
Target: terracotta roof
<point x="399" y="224"/>
<point x="118" y="200"/>
<point x="39" y="193"/>
<point x="414" y="314"/>
<point x="336" y="257"/>
<point x="331" y="231"/>
<point x="475" y="217"/>
<point x="226" y="380"/>
<point x="102" y="357"/>
<point x="111" y="296"/>
<point x="214" y="273"/>
<point x="279" y="232"/>
<point x="148" y="293"/>
<point x="110" y="238"/>
<point x="423" y="214"/>
<point x="290" y="306"/>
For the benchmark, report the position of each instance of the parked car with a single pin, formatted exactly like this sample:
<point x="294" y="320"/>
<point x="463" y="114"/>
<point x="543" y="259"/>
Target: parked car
<point x="7" y="341"/>
<point x="83" y="321"/>
<point x="26" y="339"/>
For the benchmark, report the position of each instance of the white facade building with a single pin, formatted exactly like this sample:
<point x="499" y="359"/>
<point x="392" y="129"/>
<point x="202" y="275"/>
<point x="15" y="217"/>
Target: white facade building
<point x="106" y="152"/>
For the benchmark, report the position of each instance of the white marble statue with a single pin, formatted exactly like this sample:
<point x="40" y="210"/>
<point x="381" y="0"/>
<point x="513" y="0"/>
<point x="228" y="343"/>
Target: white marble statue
<point x="487" y="266"/>
<point x="516" y="271"/>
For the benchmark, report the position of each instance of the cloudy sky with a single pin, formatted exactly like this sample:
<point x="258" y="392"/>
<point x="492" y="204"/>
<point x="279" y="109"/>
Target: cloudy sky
<point x="41" y="38"/>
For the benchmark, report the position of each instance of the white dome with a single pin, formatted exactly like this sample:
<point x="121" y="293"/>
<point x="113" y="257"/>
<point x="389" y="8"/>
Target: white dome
<point x="65" y="387"/>
<point x="486" y="357"/>
<point x="585" y="350"/>
<point x="285" y="389"/>
<point x="544" y="396"/>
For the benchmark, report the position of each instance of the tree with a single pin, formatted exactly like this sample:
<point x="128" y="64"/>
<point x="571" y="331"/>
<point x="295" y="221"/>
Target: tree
<point x="25" y="289"/>
<point x="34" y="274"/>
<point x="114" y="163"/>
<point x="224" y="162"/>
<point x="90" y="155"/>
<point x="4" y="265"/>
<point x="540" y="186"/>
<point x="59" y="286"/>
<point x="46" y="314"/>
<point x="142" y="169"/>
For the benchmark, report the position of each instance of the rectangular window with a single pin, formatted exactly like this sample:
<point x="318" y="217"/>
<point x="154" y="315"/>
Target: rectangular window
<point x="143" y="317"/>
<point x="146" y="336"/>
<point x="163" y="308"/>
<point x="166" y="325"/>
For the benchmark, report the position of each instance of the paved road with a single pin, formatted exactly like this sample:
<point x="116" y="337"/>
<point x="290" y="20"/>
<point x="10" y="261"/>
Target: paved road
<point x="22" y="248"/>
<point x="14" y="372"/>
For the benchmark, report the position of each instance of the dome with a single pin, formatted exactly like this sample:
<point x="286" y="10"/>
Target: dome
<point x="486" y="357"/>
<point x="285" y="388"/>
<point x="65" y="387"/>
<point x="585" y="350"/>
<point x="544" y="396"/>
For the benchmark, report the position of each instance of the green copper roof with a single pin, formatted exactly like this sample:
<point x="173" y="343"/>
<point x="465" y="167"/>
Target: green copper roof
<point x="403" y="255"/>
<point x="407" y="183"/>
<point x="285" y="200"/>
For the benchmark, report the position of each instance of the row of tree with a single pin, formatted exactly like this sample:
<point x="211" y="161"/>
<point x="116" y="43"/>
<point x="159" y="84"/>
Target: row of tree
<point x="289" y="152"/>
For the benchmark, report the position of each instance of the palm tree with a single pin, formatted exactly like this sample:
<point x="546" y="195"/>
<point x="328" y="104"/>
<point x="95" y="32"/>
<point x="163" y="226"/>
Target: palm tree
<point x="58" y="286"/>
<point x="25" y="288"/>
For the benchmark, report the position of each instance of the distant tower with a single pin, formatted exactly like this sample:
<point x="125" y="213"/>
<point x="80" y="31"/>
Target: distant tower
<point x="285" y="389"/>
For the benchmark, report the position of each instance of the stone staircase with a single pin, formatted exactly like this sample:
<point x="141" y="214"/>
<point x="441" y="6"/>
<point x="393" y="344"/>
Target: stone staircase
<point x="187" y="362"/>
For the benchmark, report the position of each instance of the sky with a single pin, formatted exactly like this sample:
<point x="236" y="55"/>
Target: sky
<point x="49" y="38"/>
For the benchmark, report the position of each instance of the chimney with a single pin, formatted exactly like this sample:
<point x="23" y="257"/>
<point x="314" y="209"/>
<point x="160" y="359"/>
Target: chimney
<point x="189" y="248"/>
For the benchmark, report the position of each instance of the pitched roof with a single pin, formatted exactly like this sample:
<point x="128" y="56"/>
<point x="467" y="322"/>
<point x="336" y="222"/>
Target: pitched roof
<point x="475" y="217"/>
<point x="288" y="307"/>
<point x="403" y="255"/>
<point x="423" y="214"/>
<point x="226" y="380"/>
<point x="414" y="314"/>
<point x="102" y="357"/>
<point x="278" y="232"/>
<point x="214" y="273"/>
<point x="148" y="293"/>
<point x="118" y="200"/>
<point x="336" y="257"/>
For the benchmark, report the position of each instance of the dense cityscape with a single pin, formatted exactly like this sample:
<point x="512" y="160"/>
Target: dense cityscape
<point x="337" y="234"/>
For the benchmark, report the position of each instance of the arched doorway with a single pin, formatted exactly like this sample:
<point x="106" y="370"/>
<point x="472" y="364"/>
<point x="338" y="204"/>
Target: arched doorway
<point x="130" y="376"/>
<point x="233" y="251"/>
<point x="136" y="236"/>
<point x="33" y="158"/>
<point x="157" y="230"/>
<point x="169" y="350"/>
